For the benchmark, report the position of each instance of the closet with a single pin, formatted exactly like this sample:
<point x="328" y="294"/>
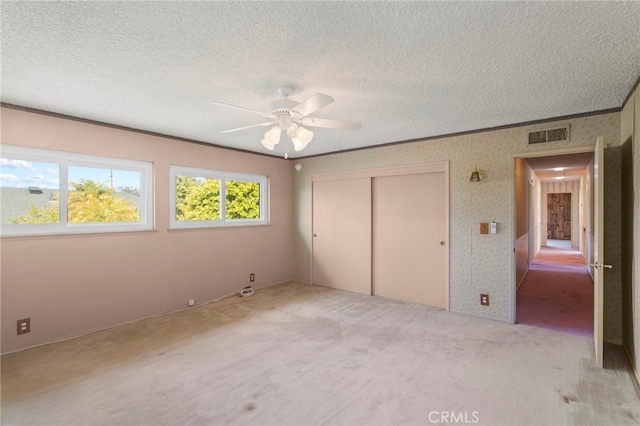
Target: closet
<point x="383" y="232"/>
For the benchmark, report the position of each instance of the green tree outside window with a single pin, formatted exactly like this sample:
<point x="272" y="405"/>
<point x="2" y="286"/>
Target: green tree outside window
<point x="88" y="202"/>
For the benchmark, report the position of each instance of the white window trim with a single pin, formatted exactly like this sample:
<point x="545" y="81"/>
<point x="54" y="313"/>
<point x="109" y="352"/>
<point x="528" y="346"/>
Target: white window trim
<point x="175" y="171"/>
<point x="64" y="160"/>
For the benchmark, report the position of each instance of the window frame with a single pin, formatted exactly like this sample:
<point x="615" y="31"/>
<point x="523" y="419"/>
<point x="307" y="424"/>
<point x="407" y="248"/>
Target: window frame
<point x="66" y="159"/>
<point x="262" y="180"/>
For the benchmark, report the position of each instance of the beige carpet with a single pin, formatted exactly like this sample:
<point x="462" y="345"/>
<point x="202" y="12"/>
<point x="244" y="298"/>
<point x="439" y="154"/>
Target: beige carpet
<point x="295" y="354"/>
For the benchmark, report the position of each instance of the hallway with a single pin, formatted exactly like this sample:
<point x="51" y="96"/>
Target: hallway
<point x="557" y="293"/>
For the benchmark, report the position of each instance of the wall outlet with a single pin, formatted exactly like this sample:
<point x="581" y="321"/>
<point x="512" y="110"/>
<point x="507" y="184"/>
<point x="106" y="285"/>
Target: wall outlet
<point x="191" y="302"/>
<point x="24" y="326"/>
<point x="484" y="299"/>
<point x="252" y="277"/>
<point x="484" y="228"/>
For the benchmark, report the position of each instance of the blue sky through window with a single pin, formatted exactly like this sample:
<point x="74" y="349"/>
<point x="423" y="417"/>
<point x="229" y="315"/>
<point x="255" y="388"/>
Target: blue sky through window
<point x="23" y="174"/>
<point x="112" y="178"/>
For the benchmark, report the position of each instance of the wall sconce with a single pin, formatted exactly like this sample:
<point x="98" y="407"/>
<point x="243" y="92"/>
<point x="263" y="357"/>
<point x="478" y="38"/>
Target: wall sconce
<point x="476" y="175"/>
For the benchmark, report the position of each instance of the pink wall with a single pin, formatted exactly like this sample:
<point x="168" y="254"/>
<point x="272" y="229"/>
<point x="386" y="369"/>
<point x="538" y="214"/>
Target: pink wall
<point x="73" y="284"/>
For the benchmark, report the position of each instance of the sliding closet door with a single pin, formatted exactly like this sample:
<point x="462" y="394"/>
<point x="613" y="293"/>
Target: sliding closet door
<point x="342" y="234"/>
<point x="410" y="237"/>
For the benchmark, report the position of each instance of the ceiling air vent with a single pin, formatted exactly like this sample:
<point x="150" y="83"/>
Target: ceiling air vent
<point x="558" y="134"/>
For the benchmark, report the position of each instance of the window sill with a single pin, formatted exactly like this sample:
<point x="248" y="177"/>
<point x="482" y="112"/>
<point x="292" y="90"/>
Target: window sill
<point x="77" y="234"/>
<point x="212" y="228"/>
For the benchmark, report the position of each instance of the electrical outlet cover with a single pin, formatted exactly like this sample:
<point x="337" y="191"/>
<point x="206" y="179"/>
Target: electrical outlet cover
<point x="24" y="326"/>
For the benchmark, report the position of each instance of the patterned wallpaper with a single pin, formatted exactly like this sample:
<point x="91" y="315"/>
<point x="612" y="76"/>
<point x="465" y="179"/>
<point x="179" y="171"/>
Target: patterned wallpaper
<point x="478" y="263"/>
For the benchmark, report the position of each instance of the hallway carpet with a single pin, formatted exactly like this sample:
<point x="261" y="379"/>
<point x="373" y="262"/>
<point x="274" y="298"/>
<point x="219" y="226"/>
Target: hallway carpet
<point x="557" y="293"/>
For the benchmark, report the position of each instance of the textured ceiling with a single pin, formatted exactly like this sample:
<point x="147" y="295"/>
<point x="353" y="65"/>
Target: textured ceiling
<point x="405" y="70"/>
<point x="573" y="166"/>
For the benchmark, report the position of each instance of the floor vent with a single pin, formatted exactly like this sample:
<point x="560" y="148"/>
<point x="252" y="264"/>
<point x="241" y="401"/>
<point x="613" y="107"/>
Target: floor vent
<point x="559" y="134"/>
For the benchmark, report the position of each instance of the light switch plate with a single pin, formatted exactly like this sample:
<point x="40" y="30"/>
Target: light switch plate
<point x="484" y="228"/>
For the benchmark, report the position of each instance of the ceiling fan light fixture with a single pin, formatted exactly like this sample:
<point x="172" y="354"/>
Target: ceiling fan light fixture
<point x="289" y="116"/>
<point x="271" y="138"/>
<point x="302" y="138"/>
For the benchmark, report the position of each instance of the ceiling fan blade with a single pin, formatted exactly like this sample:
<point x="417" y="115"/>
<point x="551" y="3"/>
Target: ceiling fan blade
<point x="331" y="124"/>
<point x="264" y="114"/>
<point x="266" y="123"/>
<point x="312" y="104"/>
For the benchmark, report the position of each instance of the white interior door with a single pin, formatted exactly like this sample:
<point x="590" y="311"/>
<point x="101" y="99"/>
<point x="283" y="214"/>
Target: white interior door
<point x="410" y="253"/>
<point x="598" y="264"/>
<point x="342" y="234"/>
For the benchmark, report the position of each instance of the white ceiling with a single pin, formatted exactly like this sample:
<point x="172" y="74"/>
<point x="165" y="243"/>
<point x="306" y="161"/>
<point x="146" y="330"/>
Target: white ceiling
<point x="405" y="70"/>
<point x="573" y="166"/>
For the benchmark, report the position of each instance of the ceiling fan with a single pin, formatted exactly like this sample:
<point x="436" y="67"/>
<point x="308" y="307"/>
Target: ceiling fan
<point x="290" y="116"/>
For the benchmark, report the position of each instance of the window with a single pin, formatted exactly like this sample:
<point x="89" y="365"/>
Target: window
<point x="45" y="192"/>
<point x="209" y="198"/>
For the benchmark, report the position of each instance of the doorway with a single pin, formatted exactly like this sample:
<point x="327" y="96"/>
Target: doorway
<point x="559" y="217"/>
<point x="555" y="289"/>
